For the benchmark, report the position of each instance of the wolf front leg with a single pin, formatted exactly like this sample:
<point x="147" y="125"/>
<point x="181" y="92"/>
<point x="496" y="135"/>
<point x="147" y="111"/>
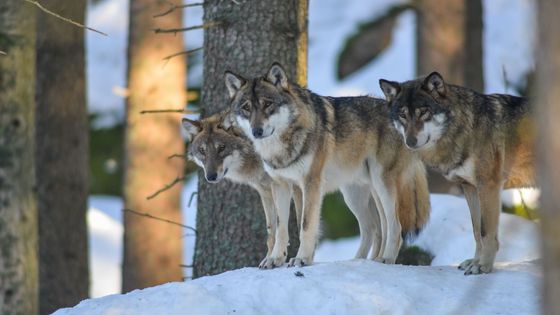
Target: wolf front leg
<point x="282" y="195"/>
<point x="490" y="206"/>
<point x="270" y="213"/>
<point x="471" y="194"/>
<point x="309" y="229"/>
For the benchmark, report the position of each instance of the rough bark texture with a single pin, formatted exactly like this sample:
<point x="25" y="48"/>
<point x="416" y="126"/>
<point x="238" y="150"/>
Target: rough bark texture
<point x="153" y="249"/>
<point x="18" y="204"/>
<point x="548" y="110"/>
<point x="251" y="35"/>
<point x="449" y="40"/>
<point x="62" y="158"/>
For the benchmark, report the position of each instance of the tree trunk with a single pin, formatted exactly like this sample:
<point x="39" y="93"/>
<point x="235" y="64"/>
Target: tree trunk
<point x="449" y="40"/>
<point x="548" y="148"/>
<point x="153" y="249"/>
<point x="18" y="203"/>
<point x="62" y="158"/>
<point x="249" y="37"/>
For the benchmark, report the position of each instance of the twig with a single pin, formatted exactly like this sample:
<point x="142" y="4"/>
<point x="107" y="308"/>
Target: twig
<point x="173" y="7"/>
<point x="185" y="266"/>
<point x="191" y="198"/>
<point x="3" y="53"/>
<point x="186" y="29"/>
<point x="166" y="187"/>
<point x="37" y="4"/>
<point x="159" y="111"/>
<point x="172" y="156"/>
<point x="183" y="53"/>
<point x="147" y="215"/>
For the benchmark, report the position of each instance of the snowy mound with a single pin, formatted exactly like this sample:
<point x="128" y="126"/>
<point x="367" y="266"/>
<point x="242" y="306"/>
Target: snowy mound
<point x="351" y="287"/>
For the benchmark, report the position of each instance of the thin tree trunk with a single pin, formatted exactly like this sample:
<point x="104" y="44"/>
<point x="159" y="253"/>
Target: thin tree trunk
<point x="449" y="40"/>
<point x="62" y="158"/>
<point x="548" y="110"/>
<point x="18" y="204"/>
<point x="153" y="249"/>
<point x="249" y="37"/>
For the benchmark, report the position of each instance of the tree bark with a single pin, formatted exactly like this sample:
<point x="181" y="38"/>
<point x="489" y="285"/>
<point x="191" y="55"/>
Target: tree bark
<point x="153" y="249"/>
<point x="449" y="40"/>
<point x="249" y="37"/>
<point x="18" y="204"/>
<point x="62" y="158"/>
<point x="548" y="148"/>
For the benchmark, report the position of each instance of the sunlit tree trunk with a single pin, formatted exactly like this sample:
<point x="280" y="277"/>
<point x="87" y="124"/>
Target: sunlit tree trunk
<point x="547" y="95"/>
<point x="153" y="249"/>
<point x="249" y="36"/>
<point x="18" y="203"/>
<point x="62" y="158"/>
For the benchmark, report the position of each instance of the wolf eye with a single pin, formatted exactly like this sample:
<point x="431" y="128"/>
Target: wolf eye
<point x="267" y="104"/>
<point x="201" y="150"/>
<point x="246" y="107"/>
<point x="221" y="148"/>
<point x="402" y="115"/>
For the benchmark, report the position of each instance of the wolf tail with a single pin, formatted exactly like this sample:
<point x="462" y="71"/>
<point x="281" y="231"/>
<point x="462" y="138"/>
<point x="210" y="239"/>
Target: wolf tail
<point x="414" y="202"/>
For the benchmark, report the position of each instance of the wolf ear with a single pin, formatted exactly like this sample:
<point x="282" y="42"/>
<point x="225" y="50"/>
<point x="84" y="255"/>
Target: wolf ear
<point x="390" y="89"/>
<point x="277" y="76"/>
<point x="434" y="83"/>
<point x="234" y="83"/>
<point x="192" y="127"/>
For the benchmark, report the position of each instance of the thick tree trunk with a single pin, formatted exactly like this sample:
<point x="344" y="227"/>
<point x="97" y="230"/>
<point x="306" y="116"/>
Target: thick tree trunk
<point x="449" y="40"/>
<point x="62" y="158"/>
<point x="548" y="110"/>
<point x="249" y="37"/>
<point x="18" y="204"/>
<point x="153" y="249"/>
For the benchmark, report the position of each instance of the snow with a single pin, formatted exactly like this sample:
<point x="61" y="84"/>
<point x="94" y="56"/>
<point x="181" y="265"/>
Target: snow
<point x="349" y="287"/>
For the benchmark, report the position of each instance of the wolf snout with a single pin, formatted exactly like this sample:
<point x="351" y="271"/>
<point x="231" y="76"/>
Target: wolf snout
<point x="212" y="177"/>
<point x="258" y="132"/>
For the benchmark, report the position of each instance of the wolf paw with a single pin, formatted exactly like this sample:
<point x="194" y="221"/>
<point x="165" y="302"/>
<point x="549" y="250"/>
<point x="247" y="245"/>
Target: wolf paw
<point x="300" y="262"/>
<point x="389" y="261"/>
<point x="475" y="268"/>
<point x="468" y="263"/>
<point x="271" y="262"/>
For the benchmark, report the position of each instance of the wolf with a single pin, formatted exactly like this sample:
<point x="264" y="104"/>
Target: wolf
<point x="483" y="142"/>
<point x="321" y="144"/>
<point x="223" y="152"/>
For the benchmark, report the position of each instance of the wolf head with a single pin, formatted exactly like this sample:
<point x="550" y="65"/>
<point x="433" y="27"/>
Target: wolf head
<point x="417" y="109"/>
<point x="214" y="146"/>
<point x="262" y="106"/>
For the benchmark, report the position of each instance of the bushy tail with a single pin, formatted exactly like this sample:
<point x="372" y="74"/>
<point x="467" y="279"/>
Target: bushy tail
<point x="413" y="202"/>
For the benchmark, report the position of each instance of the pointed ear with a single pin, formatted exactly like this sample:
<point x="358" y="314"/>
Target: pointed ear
<point x="192" y="127"/>
<point x="234" y="83"/>
<point x="389" y="88"/>
<point x="434" y="83"/>
<point x="277" y="76"/>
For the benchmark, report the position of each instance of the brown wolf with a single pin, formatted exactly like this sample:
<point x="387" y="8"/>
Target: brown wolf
<point x="484" y="142"/>
<point x="321" y="144"/>
<point x="224" y="152"/>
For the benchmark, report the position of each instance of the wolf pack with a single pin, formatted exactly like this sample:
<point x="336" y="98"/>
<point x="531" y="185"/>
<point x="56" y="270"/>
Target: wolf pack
<point x="291" y="144"/>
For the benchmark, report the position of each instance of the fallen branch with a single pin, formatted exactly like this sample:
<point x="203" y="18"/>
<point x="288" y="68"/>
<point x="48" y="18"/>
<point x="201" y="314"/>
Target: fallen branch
<point x="147" y="215"/>
<point x="37" y="4"/>
<point x="173" y="7"/>
<point x="3" y="53"/>
<point x="182" y="53"/>
<point x="172" y="156"/>
<point x="186" y="29"/>
<point x="159" y="111"/>
<point x="166" y="187"/>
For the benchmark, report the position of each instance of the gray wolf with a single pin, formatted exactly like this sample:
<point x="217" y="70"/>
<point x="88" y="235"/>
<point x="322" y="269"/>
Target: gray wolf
<point x="483" y="142"/>
<point x="321" y="144"/>
<point x="224" y="152"/>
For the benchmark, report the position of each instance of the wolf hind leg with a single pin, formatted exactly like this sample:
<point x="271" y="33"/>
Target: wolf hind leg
<point x="358" y="197"/>
<point x="393" y="232"/>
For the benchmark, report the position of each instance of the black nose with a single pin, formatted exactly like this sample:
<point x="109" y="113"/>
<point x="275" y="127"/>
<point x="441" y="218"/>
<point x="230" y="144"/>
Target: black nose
<point x="257" y="132"/>
<point x="211" y="177"/>
<point x="411" y="141"/>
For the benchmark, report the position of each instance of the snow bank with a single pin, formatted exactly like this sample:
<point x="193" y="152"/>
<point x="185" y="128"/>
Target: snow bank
<point x="351" y="287"/>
